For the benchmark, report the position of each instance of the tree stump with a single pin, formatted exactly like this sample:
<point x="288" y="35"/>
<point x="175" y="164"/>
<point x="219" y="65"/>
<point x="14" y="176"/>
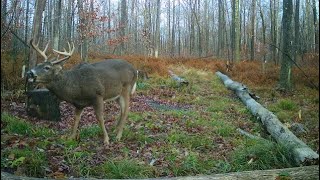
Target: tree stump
<point x="43" y="104"/>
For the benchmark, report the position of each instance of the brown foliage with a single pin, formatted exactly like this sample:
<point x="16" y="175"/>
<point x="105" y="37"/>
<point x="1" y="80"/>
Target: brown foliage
<point x="248" y="72"/>
<point x="11" y="71"/>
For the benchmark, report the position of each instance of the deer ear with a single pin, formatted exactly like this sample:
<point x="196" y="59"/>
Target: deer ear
<point x="57" y="69"/>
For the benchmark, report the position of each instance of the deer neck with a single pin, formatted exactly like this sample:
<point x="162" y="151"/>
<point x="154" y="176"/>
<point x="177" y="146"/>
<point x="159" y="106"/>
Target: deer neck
<point x="62" y="85"/>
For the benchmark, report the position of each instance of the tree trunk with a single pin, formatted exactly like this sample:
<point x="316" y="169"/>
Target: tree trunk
<point x="221" y="27"/>
<point x="263" y="34"/>
<point x="236" y="32"/>
<point x="36" y="30"/>
<point x="27" y="26"/>
<point x="173" y="30"/>
<point x="69" y="21"/>
<point x="285" y="71"/>
<point x="253" y="19"/>
<point x="56" y="26"/>
<point x="124" y="20"/>
<point x="157" y="41"/>
<point x="316" y="26"/>
<point x="302" y="153"/>
<point x="273" y="30"/>
<point x="83" y="23"/>
<point x="296" y="30"/>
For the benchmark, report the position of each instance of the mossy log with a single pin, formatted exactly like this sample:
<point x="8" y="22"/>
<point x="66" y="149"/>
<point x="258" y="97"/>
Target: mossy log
<point x="303" y="173"/>
<point x="302" y="153"/>
<point x="43" y="104"/>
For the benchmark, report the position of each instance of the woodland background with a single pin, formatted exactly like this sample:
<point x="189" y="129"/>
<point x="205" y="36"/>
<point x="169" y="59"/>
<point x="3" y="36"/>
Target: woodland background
<point x="265" y="31"/>
<point x="271" y="46"/>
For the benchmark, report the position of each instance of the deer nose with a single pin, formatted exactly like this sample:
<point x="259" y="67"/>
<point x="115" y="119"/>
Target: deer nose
<point x="30" y="74"/>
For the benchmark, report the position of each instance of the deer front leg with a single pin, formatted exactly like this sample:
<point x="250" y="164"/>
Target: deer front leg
<point x="77" y="117"/>
<point x="124" y="105"/>
<point x="98" y="108"/>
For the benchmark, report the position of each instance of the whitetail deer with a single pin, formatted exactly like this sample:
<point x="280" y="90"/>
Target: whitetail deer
<point x="87" y="85"/>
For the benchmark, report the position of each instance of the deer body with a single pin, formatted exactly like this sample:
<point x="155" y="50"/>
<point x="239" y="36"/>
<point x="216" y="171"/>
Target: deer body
<point x="89" y="85"/>
<point x="81" y="85"/>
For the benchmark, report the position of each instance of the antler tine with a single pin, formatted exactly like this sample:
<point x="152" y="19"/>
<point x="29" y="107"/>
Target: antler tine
<point x="67" y="54"/>
<point x="69" y="46"/>
<point x="45" y="49"/>
<point x="36" y="47"/>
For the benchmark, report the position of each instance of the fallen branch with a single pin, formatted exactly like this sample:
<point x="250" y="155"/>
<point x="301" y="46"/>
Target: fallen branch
<point x="178" y="79"/>
<point x="302" y="153"/>
<point x="245" y="133"/>
<point x="305" y="172"/>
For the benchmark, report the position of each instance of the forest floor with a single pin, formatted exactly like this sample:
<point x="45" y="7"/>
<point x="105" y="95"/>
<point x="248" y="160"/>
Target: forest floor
<point x="171" y="131"/>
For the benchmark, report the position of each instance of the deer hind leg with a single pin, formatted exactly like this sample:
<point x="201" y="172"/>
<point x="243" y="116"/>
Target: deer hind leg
<point x="78" y="113"/>
<point x="124" y="106"/>
<point x="99" y="108"/>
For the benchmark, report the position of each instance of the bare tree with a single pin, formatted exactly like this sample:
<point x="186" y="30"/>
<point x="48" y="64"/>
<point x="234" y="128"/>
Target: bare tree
<point x="124" y="20"/>
<point x="236" y="32"/>
<point x="56" y="27"/>
<point x="285" y="72"/>
<point x="316" y="26"/>
<point x="297" y="30"/>
<point x="83" y="25"/>
<point x="36" y="29"/>
<point x="252" y="37"/>
<point x="157" y="39"/>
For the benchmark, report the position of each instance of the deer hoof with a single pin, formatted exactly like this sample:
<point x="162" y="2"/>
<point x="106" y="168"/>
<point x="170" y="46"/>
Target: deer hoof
<point x="118" y="138"/>
<point x="106" y="141"/>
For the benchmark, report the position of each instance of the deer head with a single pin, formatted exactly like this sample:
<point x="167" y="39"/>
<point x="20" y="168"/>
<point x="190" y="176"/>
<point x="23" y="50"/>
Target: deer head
<point x="46" y="71"/>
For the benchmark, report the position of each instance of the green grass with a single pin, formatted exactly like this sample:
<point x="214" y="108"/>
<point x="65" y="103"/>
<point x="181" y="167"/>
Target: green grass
<point x="32" y="161"/>
<point x="15" y="125"/>
<point x="90" y="132"/>
<point x="78" y="161"/>
<point x="222" y="128"/>
<point x="124" y="169"/>
<point x="19" y="126"/>
<point x="183" y="142"/>
<point x="286" y="104"/>
<point x="43" y="132"/>
<point x="261" y="154"/>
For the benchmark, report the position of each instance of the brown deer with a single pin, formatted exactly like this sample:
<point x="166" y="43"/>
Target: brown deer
<point x="87" y="85"/>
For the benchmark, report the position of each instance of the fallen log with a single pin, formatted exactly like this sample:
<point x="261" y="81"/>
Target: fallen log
<point x="178" y="79"/>
<point x="301" y="152"/>
<point x="305" y="172"/>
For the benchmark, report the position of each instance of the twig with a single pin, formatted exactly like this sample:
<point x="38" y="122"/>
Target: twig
<point x="245" y="133"/>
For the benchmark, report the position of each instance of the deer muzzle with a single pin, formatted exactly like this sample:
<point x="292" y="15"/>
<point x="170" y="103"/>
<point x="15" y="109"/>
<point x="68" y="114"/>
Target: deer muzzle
<point x="31" y="76"/>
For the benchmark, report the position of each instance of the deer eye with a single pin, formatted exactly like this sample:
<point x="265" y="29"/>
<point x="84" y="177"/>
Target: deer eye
<point x="46" y="68"/>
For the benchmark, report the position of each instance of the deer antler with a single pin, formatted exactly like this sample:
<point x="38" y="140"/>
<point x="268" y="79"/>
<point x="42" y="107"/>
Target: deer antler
<point x="65" y="53"/>
<point x="42" y="53"/>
